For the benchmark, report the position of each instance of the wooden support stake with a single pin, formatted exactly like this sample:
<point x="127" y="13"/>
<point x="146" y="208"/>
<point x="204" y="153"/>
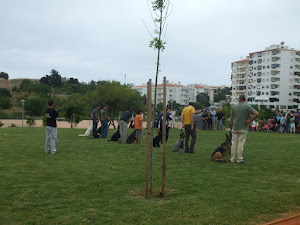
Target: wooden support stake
<point x="163" y="183"/>
<point x="148" y="145"/>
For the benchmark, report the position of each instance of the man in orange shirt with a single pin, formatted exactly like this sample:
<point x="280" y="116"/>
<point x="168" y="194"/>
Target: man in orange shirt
<point x="187" y="119"/>
<point x="138" y="125"/>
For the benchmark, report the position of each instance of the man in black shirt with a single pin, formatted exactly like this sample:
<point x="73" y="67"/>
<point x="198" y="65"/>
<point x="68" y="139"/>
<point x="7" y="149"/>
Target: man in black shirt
<point x="125" y="118"/>
<point x="51" y="128"/>
<point x="220" y="118"/>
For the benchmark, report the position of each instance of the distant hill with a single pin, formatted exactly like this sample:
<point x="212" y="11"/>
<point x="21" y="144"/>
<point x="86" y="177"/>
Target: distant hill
<point x="11" y="83"/>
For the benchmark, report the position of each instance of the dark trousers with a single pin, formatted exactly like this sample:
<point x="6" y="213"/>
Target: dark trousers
<point x="95" y="125"/>
<point x="188" y="132"/>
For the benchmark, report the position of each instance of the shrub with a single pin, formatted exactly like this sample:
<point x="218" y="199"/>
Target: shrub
<point x="5" y="103"/>
<point x="30" y="122"/>
<point x="13" y="125"/>
<point x="1" y="124"/>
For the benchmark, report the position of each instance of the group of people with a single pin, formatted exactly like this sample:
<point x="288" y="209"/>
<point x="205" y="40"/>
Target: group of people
<point x="212" y="119"/>
<point x="240" y="122"/>
<point x="281" y="122"/>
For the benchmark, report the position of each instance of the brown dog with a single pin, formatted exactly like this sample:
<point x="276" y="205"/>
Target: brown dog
<point x="223" y="150"/>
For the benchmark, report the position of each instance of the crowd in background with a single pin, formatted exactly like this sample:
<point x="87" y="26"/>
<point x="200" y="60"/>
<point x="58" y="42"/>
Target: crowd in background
<point x="280" y="122"/>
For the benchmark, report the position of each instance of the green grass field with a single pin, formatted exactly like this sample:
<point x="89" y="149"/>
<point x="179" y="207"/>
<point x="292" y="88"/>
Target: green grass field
<point x="92" y="181"/>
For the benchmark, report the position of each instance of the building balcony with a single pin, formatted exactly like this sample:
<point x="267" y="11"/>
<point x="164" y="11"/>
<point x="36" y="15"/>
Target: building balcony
<point x="275" y="72"/>
<point x="275" y="93"/>
<point x="275" y="59"/>
<point x="296" y="100"/>
<point x="275" y="52"/>
<point x="296" y="93"/>
<point x="275" y="80"/>
<point x="273" y="99"/>
<point x="297" y="74"/>
<point x="274" y="86"/>
<point x="297" y="87"/>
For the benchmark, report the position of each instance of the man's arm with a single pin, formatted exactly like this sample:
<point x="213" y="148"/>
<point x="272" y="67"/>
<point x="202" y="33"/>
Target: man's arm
<point x="231" y="121"/>
<point x="255" y="115"/>
<point x="192" y="120"/>
<point x="182" y="120"/>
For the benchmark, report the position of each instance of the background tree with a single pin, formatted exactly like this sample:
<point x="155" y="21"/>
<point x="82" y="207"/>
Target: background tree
<point x="4" y="75"/>
<point x="4" y="92"/>
<point x="220" y="95"/>
<point x="74" y="109"/>
<point x="53" y="80"/>
<point x="118" y="97"/>
<point x="203" y="99"/>
<point x="36" y="106"/>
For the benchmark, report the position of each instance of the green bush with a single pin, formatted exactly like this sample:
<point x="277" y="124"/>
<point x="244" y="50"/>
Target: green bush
<point x="5" y="92"/>
<point x="13" y="125"/>
<point x="5" y="103"/>
<point x="1" y="124"/>
<point x="30" y="122"/>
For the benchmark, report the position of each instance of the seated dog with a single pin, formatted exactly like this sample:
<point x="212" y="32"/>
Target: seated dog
<point x="156" y="140"/>
<point x="115" y="136"/>
<point x="131" y="138"/>
<point x="179" y="143"/>
<point x="223" y="150"/>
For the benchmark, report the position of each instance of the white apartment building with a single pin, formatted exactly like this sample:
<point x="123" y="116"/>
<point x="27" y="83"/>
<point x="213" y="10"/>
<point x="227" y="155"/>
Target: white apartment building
<point x="180" y="93"/>
<point x="270" y="77"/>
<point x="176" y="92"/>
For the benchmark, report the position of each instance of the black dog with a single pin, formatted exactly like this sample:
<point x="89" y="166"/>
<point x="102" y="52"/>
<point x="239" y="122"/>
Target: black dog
<point x="98" y="132"/>
<point x="179" y="144"/>
<point x="115" y="136"/>
<point x="131" y="138"/>
<point x="156" y="140"/>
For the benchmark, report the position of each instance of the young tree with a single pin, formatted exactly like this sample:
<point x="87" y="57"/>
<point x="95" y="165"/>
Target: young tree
<point x="161" y="11"/>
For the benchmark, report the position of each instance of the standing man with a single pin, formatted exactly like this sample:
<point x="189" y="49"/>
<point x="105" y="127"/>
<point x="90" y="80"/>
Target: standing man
<point x="239" y="123"/>
<point x="220" y="117"/>
<point x="125" y="118"/>
<point x="173" y="114"/>
<point x="104" y="121"/>
<point x="51" y="128"/>
<point x="213" y="117"/>
<point x="95" y="119"/>
<point x="187" y="119"/>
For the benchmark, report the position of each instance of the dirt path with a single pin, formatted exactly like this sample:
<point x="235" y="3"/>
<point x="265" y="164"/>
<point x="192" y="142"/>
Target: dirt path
<point x="293" y="220"/>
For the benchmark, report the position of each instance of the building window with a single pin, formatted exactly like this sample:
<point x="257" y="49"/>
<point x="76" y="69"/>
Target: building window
<point x="263" y="87"/>
<point x="264" y="54"/>
<point x="263" y="93"/>
<point x="268" y="67"/>
<point x="267" y="86"/>
<point x="267" y="93"/>
<point x="290" y="94"/>
<point x="291" y="67"/>
<point x="254" y="68"/>
<point x="283" y="107"/>
<point x="291" y="80"/>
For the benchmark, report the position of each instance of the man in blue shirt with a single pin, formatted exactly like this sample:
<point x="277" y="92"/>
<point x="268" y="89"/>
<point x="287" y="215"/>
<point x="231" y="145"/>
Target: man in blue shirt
<point x="125" y="118"/>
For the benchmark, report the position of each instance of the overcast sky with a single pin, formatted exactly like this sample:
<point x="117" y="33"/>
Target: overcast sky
<point x="106" y="39"/>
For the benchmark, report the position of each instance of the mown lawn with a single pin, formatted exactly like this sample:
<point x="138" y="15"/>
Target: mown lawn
<point x="92" y="181"/>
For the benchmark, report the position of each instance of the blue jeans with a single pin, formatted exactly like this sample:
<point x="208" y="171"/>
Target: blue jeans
<point x="95" y="125"/>
<point x="220" y="124"/>
<point x="104" y="128"/>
